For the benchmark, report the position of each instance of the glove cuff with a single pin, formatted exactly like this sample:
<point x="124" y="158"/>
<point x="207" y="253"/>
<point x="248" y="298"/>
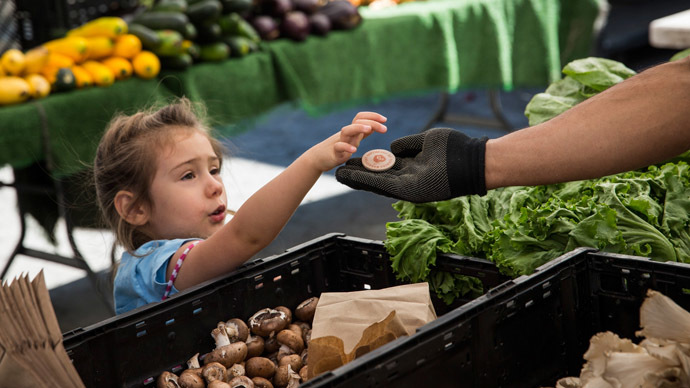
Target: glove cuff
<point x="465" y="163"/>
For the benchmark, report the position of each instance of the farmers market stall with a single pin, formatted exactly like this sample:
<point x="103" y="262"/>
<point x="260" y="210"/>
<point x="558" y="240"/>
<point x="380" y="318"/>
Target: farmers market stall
<point x="434" y="45"/>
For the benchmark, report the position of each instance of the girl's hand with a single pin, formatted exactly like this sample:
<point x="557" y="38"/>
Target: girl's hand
<point x="338" y="148"/>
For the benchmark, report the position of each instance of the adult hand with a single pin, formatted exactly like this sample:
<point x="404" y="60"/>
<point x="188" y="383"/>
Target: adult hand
<point x="434" y="165"/>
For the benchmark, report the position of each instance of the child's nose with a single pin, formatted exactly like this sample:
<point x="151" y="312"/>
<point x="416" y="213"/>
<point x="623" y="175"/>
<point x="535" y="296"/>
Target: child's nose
<point x="214" y="187"/>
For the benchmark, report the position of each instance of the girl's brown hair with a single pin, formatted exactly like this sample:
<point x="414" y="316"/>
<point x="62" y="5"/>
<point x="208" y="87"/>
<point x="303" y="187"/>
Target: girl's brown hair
<point x="126" y="159"/>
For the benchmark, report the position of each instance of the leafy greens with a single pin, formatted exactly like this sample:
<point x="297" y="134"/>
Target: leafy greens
<point x="643" y="213"/>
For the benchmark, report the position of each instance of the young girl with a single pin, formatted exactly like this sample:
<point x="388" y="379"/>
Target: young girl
<point x="158" y="184"/>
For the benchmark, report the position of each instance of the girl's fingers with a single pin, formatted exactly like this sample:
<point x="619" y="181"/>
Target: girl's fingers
<point x="342" y="147"/>
<point x="370" y="116"/>
<point x="375" y="125"/>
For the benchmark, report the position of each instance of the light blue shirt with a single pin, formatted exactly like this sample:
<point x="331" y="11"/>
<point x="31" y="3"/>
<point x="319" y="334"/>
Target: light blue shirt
<point x="140" y="278"/>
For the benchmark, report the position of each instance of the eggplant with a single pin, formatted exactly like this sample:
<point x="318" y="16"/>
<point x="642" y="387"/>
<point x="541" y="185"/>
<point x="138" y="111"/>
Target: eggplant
<point x="319" y="24"/>
<point x="275" y="8"/>
<point x="342" y="13"/>
<point x="266" y="27"/>
<point x="306" y="6"/>
<point x="295" y="25"/>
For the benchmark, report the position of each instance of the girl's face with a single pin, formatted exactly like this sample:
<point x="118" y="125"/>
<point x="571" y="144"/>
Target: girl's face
<point x="187" y="193"/>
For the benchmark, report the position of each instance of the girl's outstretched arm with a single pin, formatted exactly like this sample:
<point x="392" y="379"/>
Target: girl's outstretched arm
<point x="259" y="220"/>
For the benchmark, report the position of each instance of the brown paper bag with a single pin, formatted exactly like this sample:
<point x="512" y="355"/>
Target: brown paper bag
<point x="349" y="324"/>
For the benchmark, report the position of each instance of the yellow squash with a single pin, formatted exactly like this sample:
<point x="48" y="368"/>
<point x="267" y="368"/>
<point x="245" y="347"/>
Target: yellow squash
<point x="36" y="58"/>
<point x="108" y="26"/>
<point x="100" y="47"/>
<point x="101" y="74"/>
<point x="58" y="60"/>
<point x="127" y="46"/>
<point x="13" y="61"/>
<point x="121" y="67"/>
<point x="146" y="64"/>
<point x="40" y="87"/>
<point x="75" y="47"/>
<point x="14" y="90"/>
<point x="82" y="77"/>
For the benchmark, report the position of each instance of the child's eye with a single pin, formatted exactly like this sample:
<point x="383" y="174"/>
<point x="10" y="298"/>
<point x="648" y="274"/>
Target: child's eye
<point x="188" y="176"/>
<point x="215" y="170"/>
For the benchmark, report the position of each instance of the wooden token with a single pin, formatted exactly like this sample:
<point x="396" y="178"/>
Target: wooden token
<point x="378" y="160"/>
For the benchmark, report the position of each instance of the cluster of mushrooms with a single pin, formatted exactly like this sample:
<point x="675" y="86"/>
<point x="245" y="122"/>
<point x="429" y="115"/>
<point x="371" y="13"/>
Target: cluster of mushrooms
<point x="268" y="351"/>
<point x="660" y="360"/>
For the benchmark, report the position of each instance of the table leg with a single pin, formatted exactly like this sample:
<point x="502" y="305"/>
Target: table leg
<point x="498" y="121"/>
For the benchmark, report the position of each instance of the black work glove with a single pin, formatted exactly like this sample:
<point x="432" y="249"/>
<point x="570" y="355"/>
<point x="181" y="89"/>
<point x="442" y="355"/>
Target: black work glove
<point x="434" y="165"/>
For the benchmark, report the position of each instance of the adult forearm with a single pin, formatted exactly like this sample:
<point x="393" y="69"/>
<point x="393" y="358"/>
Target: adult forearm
<point x="640" y="121"/>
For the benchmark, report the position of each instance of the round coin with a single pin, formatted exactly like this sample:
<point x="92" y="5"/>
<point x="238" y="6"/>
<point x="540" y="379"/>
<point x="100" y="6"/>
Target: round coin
<point x="378" y="160"/>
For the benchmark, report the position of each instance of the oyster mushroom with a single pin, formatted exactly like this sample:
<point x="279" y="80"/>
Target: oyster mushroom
<point x="260" y="382"/>
<point x="267" y="321"/>
<point x="305" y="310"/>
<point x="241" y="382"/>
<point x="226" y="353"/>
<point x="255" y="345"/>
<point x="214" y="371"/>
<point x="237" y="330"/>
<point x="260" y="367"/>
<point x="167" y="380"/>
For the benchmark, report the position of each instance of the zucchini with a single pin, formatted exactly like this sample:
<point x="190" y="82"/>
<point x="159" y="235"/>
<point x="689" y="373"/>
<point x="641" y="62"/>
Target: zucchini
<point x="234" y="24"/>
<point x="190" y="31"/>
<point x="238" y="6"/>
<point x="209" y="32"/>
<point x="164" y="20"/>
<point x="171" y="43"/>
<point x="214" y="52"/>
<point x="64" y="80"/>
<point x="240" y="46"/>
<point x="177" y="62"/>
<point x="170" y="5"/>
<point x="204" y="11"/>
<point x="148" y="37"/>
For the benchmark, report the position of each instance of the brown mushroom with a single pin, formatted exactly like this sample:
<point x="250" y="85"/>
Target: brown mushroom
<point x="288" y="313"/>
<point x="296" y="328"/>
<point x="260" y="367"/>
<point x="260" y="382"/>
<point x="271" y="344"/>
<point x="304" y="373"/>
<point x="286" y="377"/>
<point x="225" y="352"/>
<point x="304" y="355"/>
<point x="305" y="310"/>
<point x="255" y="345"/>
<point x="237" y="330"/>
<point x="214" y="371"/>
<point x="191" y="379"/>
<point x="306" y="336"/>
<point x="236" y="370"/>
<point x="167" y="380"/>
<point x="290" y="339"/>
<point x="241" y="382"/>
<point x="283" y="351"/>
<point x="218" y="384"/>
<point x="267" y="321"/>
<point x="294" y="360"/>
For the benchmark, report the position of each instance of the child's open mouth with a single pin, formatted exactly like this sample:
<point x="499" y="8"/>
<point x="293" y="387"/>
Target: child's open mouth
<point x="219" y="214"/>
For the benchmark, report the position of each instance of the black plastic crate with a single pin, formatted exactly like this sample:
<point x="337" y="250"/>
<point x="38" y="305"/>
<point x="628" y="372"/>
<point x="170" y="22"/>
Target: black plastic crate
<point x="528" y="332"/>
<point x="132" y="349"/>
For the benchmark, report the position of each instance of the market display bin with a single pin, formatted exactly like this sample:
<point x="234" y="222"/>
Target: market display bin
<point x="527" y="332"/>
<point x="132" y="349"/>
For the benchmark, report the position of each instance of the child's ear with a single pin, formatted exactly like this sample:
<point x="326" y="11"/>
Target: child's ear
<point x="137" y="216"/>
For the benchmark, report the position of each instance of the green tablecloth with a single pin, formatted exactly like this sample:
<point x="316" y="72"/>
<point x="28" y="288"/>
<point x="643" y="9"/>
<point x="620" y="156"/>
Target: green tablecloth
<point x="415" y="47"/>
